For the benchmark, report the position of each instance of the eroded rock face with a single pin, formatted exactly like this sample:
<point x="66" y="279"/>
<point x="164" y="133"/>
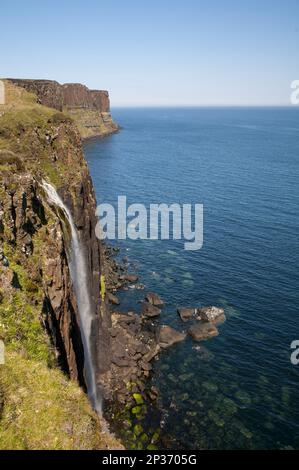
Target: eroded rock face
<point x="36" y="235"/>
<point x="49" y="92"/>
<point x="101" y="100"/>
<point x="71" y="95"/>
<point x="25" y="218"/>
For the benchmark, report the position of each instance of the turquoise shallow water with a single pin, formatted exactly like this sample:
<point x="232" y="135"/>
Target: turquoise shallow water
<point x="241" y="391"/>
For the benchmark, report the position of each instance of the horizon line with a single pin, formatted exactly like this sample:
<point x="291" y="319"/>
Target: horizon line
<point x="204" y="106"/>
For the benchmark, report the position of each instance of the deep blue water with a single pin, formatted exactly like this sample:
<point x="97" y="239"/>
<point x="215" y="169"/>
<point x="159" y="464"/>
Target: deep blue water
<point x="243" y="166"/>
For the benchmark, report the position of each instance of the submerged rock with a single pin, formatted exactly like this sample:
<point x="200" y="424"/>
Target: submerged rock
<point x="154" y="299"/>
<point x="113" y="299"/>
<point x="129" y="278"/>
<point x="186" y="313"/>
<point x="211" y="314"/>
<point x="202" y="331"/>
<point x="203" y="352"/>
<point x="169" y="336"/>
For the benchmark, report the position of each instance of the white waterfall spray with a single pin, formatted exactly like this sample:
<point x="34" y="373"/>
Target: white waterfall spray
<point x="77" y="263"/>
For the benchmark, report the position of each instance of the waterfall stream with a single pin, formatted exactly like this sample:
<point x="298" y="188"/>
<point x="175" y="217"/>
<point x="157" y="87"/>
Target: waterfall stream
<point x="77" y="264"/>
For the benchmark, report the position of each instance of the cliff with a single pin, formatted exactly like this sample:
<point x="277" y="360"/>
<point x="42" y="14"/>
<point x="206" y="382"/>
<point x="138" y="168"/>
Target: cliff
<point x="90" y="109"/>
<point x="39" y="406"/>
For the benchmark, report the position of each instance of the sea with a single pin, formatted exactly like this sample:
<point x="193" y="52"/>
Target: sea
<point x="239" y="390"/>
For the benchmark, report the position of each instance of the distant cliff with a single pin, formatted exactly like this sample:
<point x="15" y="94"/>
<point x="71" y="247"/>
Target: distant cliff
<point x="90" y="109"/>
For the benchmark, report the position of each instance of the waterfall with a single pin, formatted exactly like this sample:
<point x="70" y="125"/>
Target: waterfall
<point x="77" y="264"/>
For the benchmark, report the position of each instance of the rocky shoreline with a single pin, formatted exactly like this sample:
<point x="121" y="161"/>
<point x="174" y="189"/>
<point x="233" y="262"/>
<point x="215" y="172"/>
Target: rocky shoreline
<point x="137" y="339"/>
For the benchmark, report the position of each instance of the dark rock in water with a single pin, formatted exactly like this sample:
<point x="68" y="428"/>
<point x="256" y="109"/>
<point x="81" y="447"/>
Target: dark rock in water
<point x="203" y="352"/>
<point x="129" y="278"/>
<point x="203" y="331"/>
<point x="211" y="314"/>
<point x="149" y="311"/>
<point x="169" y="336"/>
<point x="154" y="299"/>
<point x="113" y="299"/>
<point x="186" y="313"/>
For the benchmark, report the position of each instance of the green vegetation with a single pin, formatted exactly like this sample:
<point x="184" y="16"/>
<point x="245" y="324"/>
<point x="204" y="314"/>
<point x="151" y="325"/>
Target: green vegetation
<point x="44" y="410"/>
<point x="37" y="139"/>
<point x="138" y="398"/>
<point x="8" y="159"/>
<point x="90" y="122"/>
<point x="103" y="287"/>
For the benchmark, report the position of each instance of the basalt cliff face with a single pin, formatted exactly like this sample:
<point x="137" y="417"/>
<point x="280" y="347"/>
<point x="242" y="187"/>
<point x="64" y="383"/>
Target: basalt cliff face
<point x="38" y="307"/>
<point x="90" y="109"/>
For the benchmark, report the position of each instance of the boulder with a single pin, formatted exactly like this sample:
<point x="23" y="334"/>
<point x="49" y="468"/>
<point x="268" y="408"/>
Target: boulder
<point x="113" y="299"/>
<point x="202" y="331"/>
<point x="130" y="277"/>
<point x="186" y="313"/>
<point x="149" y="311"/>
<point x="169" y="336"/>
<point x="211" y="314"/>
<point x="154" y="299"/>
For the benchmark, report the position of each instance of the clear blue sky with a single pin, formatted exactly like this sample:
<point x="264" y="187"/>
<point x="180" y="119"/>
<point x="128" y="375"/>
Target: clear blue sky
<point x="150" y="52"/>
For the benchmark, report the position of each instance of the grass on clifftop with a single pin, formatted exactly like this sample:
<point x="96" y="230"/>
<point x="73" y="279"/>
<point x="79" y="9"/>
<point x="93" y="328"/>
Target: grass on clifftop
<point x="44" y="410"/>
